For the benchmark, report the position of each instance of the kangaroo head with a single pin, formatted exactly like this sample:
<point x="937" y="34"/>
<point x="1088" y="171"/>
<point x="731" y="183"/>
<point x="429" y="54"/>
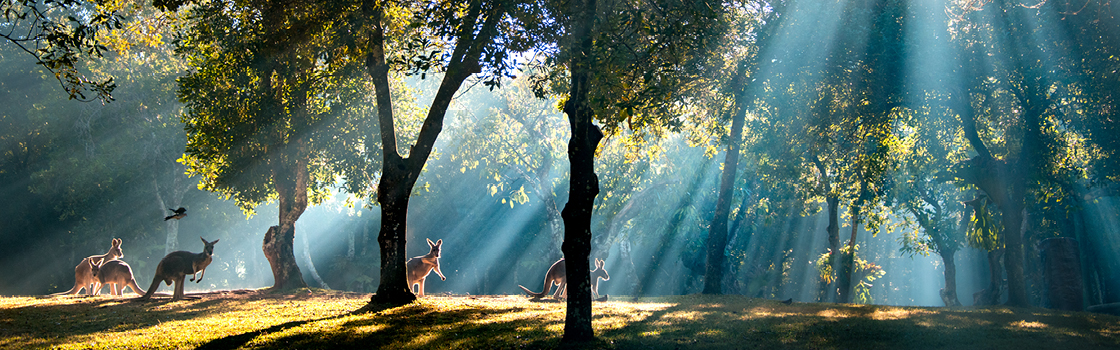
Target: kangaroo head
<point x="209" y="248"/>
<point x="434" y="247"/>
<point x="600" y="271"/>
<point x="95" y="269"/>
<point x="115" y="251"/>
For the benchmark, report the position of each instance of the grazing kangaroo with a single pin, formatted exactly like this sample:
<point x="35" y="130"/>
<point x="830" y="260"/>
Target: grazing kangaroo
<point x="177" y="265"/>
<point x="418" y="268"/>
<point x="558" y="275"/>
<point x="83" y="277"/>
<point x="117" y="275"/>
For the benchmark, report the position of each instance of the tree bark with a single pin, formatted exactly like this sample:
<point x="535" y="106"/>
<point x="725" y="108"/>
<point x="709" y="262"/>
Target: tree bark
<point x="990" y="295"/>
<point x="833" y="245"/>
<point x="717" y="233"/>
<point x="949" y="293"/>
<point x="290" y="177"/>
<point x="584" y="183"/>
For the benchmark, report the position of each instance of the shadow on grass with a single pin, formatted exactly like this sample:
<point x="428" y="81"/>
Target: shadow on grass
<point x="236" y="341"/>
<point x="421" y="326"/>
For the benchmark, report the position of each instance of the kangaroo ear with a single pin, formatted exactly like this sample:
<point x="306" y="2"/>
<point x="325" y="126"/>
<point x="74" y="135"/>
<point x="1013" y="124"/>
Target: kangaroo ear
<point x="439" y="241"/>
<point x="430" y="244"/>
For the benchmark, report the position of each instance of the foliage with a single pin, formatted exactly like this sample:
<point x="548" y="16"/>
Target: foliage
<point x="863" y="271"/>
<point x="250" y="98"/>
<point x="61" y="35"/>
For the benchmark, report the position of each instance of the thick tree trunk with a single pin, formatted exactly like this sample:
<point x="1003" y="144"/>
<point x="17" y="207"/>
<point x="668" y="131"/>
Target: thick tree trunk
<point x="393" y="286"/>
<point x="584" y="184"/>
<point x="833" y="246"/>
<point x="577" y="227"/>
<point x="949" y="293"/>
<point x="990" y="295"/>
<point x="717" y="233"/>
<point x="290" y="178"/>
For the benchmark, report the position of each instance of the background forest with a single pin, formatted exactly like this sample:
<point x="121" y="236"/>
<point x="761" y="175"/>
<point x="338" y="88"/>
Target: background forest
<point x="763" y="134"/>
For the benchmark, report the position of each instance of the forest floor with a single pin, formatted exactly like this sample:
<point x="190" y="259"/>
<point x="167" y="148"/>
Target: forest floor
<point x="327" y="320"/>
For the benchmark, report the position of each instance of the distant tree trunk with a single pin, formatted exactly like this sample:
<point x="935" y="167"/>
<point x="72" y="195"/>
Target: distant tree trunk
<point x="290" y="178"/>
<point x="717" y="234"/>
<point x="584" y="184"/>
<point x="833" y="245"/>
<point x="601" y="244"/>
<point x="311" y="264"/>
<point x="848" y="265"/>
<point x="175" y="192"/>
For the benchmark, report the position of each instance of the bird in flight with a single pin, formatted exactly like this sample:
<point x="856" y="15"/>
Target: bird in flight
<point x="176" y="214"/>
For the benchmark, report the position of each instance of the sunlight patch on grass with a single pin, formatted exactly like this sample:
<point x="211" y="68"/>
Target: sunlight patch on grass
<point x="1028" y="324"/>
<point x="833" y="313"/>
<point x="896" y="313"/>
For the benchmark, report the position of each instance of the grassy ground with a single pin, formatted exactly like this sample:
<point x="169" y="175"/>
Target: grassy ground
<point x="326" y="320"/>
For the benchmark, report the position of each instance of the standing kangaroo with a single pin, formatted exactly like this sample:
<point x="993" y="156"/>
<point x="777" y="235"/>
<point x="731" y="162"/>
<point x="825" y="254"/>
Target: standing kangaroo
<point x="558" y="275"/>
<point x="83" y="277"/>
<point x="418" y="268"/>
<point x="177" y="265"/>
<point x="117" y="275"/>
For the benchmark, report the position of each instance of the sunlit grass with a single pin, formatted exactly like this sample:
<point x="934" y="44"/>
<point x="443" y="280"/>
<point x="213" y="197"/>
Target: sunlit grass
<point x="327" y="321"/>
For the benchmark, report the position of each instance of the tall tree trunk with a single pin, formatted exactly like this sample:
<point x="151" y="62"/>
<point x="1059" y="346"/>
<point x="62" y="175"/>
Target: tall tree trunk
<point x="848" y="265"/>
<point x="717" y="233"/>
<point x="833" y="245"/>
<point x="290" y="177"/>
<point x="584" y="184"/>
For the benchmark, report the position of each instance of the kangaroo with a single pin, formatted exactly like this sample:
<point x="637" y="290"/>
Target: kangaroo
<point x="418" y="268"/>
<point x="83" y="278"/>
<point x="117" y="275"/>
<point x="177" y="265"/>
<point x="558" y="275"/>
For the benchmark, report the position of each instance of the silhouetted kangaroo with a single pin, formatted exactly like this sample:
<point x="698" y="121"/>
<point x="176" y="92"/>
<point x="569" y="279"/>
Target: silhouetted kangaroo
<point x="117" y="275"/>
<point x="558" y="275"/>
<point x="419" y="267"/>
<point x="83" y="277"/>
<point x="177" y="265"/>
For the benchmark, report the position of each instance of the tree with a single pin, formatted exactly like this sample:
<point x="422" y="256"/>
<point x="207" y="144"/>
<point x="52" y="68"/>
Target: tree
<point x="474" y="27"/>
<point x="764" y="24"/>
<point x="269" y="106"/>
<point x="1015" y="82"/>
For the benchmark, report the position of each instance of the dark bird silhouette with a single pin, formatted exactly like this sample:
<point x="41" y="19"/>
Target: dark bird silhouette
<point x="787" y="301"/>
<point x="176" y="214"/>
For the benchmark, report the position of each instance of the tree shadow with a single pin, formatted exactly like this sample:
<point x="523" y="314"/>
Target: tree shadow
<point x="419" y="326"/>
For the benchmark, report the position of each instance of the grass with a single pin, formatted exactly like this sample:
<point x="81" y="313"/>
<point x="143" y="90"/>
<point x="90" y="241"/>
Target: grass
<point x="326" y="320"/>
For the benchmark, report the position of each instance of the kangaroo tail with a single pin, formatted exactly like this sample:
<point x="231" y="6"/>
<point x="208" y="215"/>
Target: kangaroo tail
<point x="151" y="290"/>
<point x="135" y="288"/>
<point x="71" y="291"/>
<point x="530" y="293"/>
